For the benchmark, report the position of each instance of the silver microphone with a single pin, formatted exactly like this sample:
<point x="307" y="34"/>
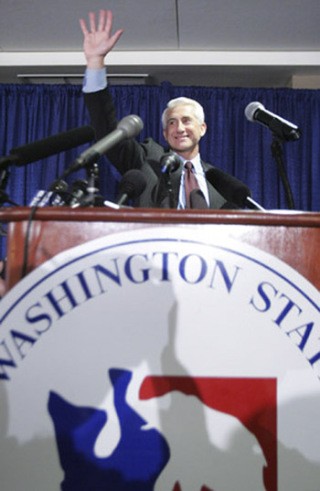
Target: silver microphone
<point x="128" y="127"/>
<point x="256" y="112"/>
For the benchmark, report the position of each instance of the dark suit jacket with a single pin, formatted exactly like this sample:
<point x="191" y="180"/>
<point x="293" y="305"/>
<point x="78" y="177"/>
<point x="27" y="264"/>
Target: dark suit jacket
<point x="145" y="156"/>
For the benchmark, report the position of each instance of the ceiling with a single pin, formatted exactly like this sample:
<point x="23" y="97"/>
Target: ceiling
<point x="243" y="43"/>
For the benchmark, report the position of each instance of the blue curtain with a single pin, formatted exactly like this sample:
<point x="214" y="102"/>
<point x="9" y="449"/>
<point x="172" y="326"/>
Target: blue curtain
<point x="32" y="112"/>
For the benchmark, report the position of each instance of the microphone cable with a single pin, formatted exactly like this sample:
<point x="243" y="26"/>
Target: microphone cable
<point x="32" y="213"/>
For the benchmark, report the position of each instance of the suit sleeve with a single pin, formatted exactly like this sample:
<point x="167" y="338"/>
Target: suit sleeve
<point x="127" y="154"/>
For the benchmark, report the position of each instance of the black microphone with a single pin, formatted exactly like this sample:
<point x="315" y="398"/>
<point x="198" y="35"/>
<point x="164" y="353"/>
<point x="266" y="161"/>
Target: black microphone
<point x="169" y="162"/>
<point x="60" y="193"/>
<point x="128" y="127"/>
<point x="56" y="196"/>
<point x="232" y="189"/>
<point x="41" y="149"/>
<point x="131" y="186"/>
<point x="256" y="112"/>
<point x="78" y="192"/>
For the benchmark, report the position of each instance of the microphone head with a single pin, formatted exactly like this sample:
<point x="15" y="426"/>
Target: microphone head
<point x="132" y="184"/>
<point x="169" y="162"/>
<point x="58" y="194"/>
<point x="231" y="188"/>
<point x="59" y="186"/>
<point x="130" y="125"/>
<point x="251" y="109"/>
<point x="79" y="185"/>
<point x="283" y="129"/>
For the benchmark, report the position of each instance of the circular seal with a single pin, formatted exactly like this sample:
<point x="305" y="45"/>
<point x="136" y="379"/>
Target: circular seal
<point x="160" y="359"/>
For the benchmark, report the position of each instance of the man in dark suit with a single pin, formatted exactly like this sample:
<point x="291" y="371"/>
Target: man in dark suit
<point x="183" y="127"/>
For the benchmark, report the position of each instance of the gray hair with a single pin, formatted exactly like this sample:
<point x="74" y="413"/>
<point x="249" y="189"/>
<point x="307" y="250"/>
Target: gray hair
<point x="197" y="108"/>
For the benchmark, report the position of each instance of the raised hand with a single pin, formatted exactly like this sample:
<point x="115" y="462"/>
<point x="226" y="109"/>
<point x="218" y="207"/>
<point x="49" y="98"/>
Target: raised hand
<point x="98" y="39"/>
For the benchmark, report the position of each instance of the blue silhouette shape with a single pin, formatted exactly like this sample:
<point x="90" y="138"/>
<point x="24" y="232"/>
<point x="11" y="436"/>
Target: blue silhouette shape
<point x="136" y="462"/>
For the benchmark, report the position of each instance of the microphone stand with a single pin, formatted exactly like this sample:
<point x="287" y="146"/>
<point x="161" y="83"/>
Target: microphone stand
<point x="277" y="153"/>
<point x="169" y="189"/>
<point x="93" y="198"/>
<point x="4" y="198"/>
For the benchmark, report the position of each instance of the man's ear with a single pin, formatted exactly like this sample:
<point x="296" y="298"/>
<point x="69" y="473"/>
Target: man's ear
<point x="203" y="129"/>
<point x="164" y="132"/>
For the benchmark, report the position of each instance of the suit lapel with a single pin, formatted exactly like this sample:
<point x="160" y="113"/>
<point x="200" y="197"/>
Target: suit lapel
<point x="216" y="200"/>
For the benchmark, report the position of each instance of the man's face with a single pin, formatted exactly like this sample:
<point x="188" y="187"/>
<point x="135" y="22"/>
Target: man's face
<point x="183" y="131"/>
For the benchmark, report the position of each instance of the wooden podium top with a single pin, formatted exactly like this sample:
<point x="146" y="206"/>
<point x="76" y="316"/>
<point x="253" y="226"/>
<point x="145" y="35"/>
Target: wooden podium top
<point x="292" y="236"/>
<point x="155" y="215"/>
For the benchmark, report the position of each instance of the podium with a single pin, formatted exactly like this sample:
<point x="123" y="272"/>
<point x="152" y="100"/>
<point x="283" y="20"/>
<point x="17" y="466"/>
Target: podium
<point x="173" y="334"/>
<point x="293" y="237"/>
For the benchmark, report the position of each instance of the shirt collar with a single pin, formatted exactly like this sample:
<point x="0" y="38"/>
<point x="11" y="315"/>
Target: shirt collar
<point x="196" y="161"/>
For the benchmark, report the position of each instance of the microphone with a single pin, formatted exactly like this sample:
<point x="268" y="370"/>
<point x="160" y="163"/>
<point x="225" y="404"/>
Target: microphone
<point x="59" y="186"/>
<point x="232" y="189"/>
<point x="128" y="127"/>
<point x="256" y="112"/>
<point x="60" y="193"/>
<point x="41" y="149"/>
<point x="79" y="190"/>
<point x="131" y="186"/>
<point x="169" y="163"/>
<point x="56" y="196"/>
